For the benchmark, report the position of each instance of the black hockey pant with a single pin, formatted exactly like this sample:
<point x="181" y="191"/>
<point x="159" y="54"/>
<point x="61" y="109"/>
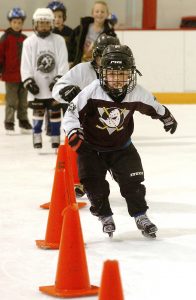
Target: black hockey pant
<point x="126" y="168"/>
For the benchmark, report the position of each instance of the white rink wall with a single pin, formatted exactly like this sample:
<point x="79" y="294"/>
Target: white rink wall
<point x="166" y="58"/>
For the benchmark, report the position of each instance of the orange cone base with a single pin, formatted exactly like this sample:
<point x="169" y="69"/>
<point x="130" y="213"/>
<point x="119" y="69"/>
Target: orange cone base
<point x="45" y="205"/>
<point x="45" y="245"/>
<point x="81" y="204"/>
<point x="53" y="291"/>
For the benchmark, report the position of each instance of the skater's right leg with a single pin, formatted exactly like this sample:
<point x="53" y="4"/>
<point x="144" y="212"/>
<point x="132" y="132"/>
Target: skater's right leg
<point x="129" y="174"/>
<point x="92" y="173"/>
<point x="38" y="117"/>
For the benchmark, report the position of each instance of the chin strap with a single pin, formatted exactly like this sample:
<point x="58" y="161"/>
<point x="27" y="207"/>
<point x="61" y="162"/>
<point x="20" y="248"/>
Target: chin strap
<point x="43" y="34"/>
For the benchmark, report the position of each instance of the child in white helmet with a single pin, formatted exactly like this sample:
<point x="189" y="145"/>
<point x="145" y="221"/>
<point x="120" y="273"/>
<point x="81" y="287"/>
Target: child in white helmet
<point x="44" y="60"/>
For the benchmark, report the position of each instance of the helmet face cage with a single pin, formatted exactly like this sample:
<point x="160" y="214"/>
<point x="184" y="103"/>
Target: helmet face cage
<point x="118" y="82"/>
<point x="43" y="15"/>
<point x="16" y="13"/>
<point x="118" y="72"/>
<point x="58" y="6"/>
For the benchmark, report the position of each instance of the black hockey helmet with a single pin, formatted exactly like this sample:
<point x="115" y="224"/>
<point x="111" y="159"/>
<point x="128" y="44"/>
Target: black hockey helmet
<point x="118" y="58"/>
<point x="102" y="42"/>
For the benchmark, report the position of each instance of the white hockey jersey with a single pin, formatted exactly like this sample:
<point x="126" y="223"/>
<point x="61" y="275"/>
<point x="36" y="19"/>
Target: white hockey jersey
<point x="43" y="59"/>
<point x="81" y="75"/>
<point x="108" y="125"/>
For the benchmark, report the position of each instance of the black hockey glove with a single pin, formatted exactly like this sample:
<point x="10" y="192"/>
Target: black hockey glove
<point x="76" y="141"/>
<point x="69" y="92"/>
<point x="31" y="86"/>
<point x="51" y="85"/>
<point x="169" y="122"/>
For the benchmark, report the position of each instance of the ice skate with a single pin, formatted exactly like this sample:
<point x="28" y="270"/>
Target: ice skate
<point x="37" y="140"/>
<point x="25" y="126"/>
<point x="9" y="127"/>
<point x="79" y="190"/>
<point x="147" y="228"/>
<point x="55" y="141"/>
<point x="108" y="225"/>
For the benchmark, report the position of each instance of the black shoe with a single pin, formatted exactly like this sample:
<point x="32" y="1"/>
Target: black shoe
<point x="55" y="141"/>
<point x="55" y="145"/>
<point x="37" y="145"/>
<point x="25" y="124"/>
<point x="9" y="126"/>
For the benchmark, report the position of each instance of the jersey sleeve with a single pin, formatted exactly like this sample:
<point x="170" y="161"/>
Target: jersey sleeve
<point x="146" y="103"/>
<point x="26" y="67"/>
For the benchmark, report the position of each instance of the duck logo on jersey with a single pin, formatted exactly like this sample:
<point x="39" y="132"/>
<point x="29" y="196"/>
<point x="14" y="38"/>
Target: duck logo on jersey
<point x="45" y="63"/>
<point x="112" y="118"/>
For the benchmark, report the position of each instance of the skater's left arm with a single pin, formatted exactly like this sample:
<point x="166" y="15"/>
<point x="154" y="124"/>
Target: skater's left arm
<point x="147" y="104"/>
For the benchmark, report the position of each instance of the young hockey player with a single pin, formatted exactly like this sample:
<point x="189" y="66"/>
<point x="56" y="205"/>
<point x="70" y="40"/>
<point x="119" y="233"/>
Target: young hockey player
<point x="44" y="60"/>
<point x="69" y="85"/>
<point x="10" y="56"/>
<point x="99" y="125"/>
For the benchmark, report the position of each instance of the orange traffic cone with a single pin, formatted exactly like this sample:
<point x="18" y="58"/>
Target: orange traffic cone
<point x="47" y="205"/>
<point x="111" y="287"/>
<point x="73" y="162"/>
<point x="58" y="202"/>
<point x="72" y="278"/>
<point x="74" y="156"/>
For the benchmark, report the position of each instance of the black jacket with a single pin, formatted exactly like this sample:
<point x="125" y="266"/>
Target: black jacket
<point x="78" y="36"/>
<point x="65" y="33"/>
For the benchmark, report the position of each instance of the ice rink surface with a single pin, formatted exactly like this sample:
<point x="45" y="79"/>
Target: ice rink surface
<point x="161" y="269"/>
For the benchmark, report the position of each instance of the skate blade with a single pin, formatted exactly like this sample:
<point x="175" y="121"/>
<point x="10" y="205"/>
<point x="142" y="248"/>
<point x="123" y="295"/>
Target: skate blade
<point x="149" y="235"/>
<point x="110" y="235"/>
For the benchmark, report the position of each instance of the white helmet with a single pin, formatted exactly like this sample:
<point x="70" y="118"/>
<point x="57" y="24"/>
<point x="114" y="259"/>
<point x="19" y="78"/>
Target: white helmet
<point x="43" y="14"/>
